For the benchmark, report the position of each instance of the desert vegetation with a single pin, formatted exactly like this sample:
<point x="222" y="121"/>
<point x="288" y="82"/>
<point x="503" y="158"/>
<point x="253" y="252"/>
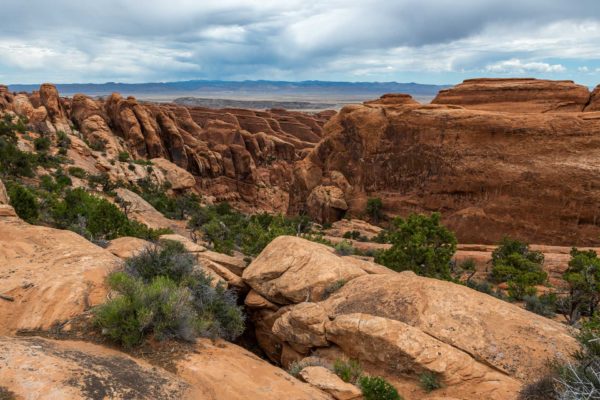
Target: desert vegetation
<point x="160" y="292"/>
<point x="420" y="244"/>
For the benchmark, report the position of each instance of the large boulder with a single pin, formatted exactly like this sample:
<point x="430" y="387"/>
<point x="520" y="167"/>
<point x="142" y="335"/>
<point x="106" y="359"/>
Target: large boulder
<point x="142" y="211"/>
<point x="176" y="176"/>
<point x="292" y="270"/>
<point x="51" y="275"/>
<point x="405" y="350"/>
<point x="326" y="204"/>
<point x="36" y="368"/>
<point x="329" y="382"/>
<point x="398" y="324"/>
<point x="492" y="331"/>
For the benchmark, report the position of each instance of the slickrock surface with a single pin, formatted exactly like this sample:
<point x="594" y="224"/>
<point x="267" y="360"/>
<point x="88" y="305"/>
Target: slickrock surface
<point x="36" y="368"/>
<point x="222" y="370"/>
<point x="51" y="274"/>
<point x="398" y="324"/>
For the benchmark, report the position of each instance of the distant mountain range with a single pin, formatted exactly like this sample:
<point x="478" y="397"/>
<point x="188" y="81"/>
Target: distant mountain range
<point x="305" y="91"/>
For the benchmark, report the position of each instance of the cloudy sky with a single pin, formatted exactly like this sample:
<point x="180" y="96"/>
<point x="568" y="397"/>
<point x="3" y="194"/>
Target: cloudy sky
<point x="426" y="41"/>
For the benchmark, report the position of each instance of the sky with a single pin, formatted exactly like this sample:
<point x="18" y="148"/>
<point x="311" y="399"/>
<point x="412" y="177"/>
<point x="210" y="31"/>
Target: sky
<point x="424" y="41"/>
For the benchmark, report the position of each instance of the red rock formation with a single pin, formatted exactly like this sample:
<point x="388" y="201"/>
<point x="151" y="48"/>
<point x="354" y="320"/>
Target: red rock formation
<point x="516" y="95"/>
<point x="237" y="155"/>
<point x="529" y="175"/>
<point x="594" y="103"/>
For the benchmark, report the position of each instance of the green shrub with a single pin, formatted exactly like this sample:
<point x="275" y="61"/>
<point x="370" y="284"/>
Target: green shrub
<point x="161" y="293"/>
<point x="377" y="388"/>
<point x="520" y="267"/>
<point x="161" y="307"/>
<point x="6" y="394"/>
<point x="543" y="389"/>
<point x="24" y="202"/>
<point x="103" y="180"/>
<point x="420" y="244"/>
<point x="297" y="366"/>
<point x="583" y="278"/>
<point x="97" y="218"/>
<point x="348" y="370"/>
<point x="77" y="172"/>
<point x="351" y="235"/>
<point x="227" y="230"/>
<point x="142" y="162"/>
<point x="123" y="156"/>
<point x="544" y="305"/>
<point x="62" y="140"/>
<point x="98" y="145"/>
<point x="429" y="381"/>
<point x="332" y="288"/>
<point x="178" y="207"/>
<point x="374" y="207"/>
<point x="42" y="144"/>
<point x="344" y="248"/>
<point x="589" y="337"/>
<point x="167" y="259"/>
<point x="14" y="162"/>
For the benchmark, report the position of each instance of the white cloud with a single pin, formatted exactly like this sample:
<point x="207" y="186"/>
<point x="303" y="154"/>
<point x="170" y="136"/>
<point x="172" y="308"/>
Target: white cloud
<point x="69" y="40"/>
<point x="516" y="66"/>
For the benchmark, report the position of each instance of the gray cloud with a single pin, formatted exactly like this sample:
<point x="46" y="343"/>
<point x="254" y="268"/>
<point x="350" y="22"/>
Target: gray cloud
<point x="442" y="40"/>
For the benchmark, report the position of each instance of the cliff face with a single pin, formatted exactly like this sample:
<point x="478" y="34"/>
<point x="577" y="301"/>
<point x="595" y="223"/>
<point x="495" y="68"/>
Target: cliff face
<point x="493" y="172"/>
<point x="496" y="157"/>
<point x="516" y="95"/>
<point x="236" y="155"/>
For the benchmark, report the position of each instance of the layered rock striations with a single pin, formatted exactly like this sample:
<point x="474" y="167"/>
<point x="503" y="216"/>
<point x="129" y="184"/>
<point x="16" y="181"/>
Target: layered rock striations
<point x="398" y="325"/>
<point x="496" y="157"/>
<point x="516" y="95"/>
<point x="493" y="172"/>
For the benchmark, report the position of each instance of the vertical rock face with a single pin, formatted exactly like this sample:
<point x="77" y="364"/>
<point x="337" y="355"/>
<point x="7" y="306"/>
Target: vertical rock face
<point x="51" y="101"/>
<point x="594" y="103"/>
<point x="3" y="194"/>
<point x="241" y="156"/>
<point x="490" y="173"/>
<point x="516" y="95"/>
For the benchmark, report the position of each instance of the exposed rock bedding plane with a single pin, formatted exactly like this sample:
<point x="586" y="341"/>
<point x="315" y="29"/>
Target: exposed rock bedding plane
<point x="491" y="171"/>
<point x="398" y="324"/>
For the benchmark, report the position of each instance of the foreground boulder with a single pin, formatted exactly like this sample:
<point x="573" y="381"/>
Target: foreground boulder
<point x="47" y="275"/>
<point x="221" y="370"/>
<point x="292" y="270"/>
<point x="36" y="368"/>
<point x="399" y="325"/>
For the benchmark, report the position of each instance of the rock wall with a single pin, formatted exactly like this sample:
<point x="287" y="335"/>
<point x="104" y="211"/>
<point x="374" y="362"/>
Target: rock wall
<point x="517" y="95"/>
<point x="532" y="175"/>
<point x="241" y="156"/>
<point x="496" y="157"/>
